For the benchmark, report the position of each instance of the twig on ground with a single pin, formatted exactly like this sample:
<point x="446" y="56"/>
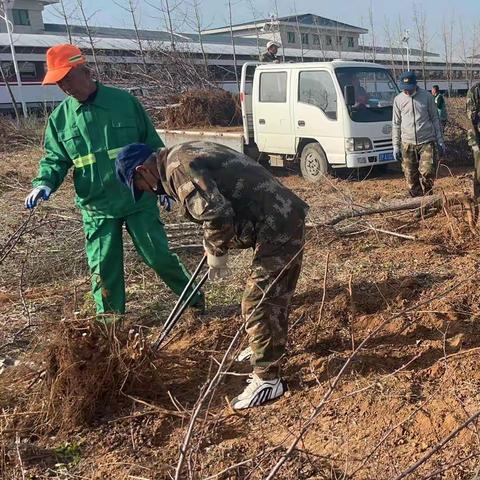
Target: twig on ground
<point x="241" y="464"/>
<point x="389" y="432"/>
<point x="437" y="447"/>
<point x="156" y="408"/>
<point x="328" y="394"/>
<point x="436" y="473"/>
<point x="386" y="232"/>
<point x="211" y="385"/>
<point x="15" y="238"/>
<point x="26" y="309"/>
<point x="19" y="455"/>
<point x="353" y="309"/>
<point x="324" y="294"/>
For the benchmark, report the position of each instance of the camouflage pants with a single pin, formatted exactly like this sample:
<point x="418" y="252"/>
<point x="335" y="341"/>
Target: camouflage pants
<point x="418" y="165"/>
<point x="267" y="297"/>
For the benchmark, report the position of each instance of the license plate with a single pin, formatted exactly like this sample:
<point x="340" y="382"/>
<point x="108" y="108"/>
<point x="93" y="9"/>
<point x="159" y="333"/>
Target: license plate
<point x="385" y="157"/>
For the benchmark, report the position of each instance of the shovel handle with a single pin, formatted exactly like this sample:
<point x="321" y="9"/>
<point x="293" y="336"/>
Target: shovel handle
<point x="168" y="328"/>
<point x="177" y="309"/>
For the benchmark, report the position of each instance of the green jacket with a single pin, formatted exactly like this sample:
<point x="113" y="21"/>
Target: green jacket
<point x="88" y="136"/>
<point x="441" y="106"/>
<point x="473" y="115"/>
<point x="268" y="57"/>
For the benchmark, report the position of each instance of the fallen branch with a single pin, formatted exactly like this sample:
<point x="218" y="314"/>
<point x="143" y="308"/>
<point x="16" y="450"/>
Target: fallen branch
<point x="395" y="206"/>
<point x="438" y="447"/>
<point x="438" y="472"/>
<point x="386" y="232"/>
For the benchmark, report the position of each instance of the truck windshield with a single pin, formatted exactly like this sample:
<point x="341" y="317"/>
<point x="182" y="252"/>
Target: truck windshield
<point x="375" y="91"/>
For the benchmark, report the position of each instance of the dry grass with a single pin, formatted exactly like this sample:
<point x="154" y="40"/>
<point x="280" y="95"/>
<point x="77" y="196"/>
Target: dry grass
<point x="411" y="385"/>
<point x="28" y="133"/>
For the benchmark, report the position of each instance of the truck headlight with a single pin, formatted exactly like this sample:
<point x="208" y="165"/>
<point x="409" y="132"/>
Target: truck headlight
<point x="358" y="144"/>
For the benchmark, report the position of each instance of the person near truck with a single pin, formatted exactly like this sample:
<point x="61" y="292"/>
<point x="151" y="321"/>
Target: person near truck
<point x="361" y="95"/>
<point x="441" y="106"/>
<point x="417" y="135"/>
<point x="241" y="205"/>
<point x="473" y="114"/>
<point x="270" y="55"/>
<point x="85" y="132"/>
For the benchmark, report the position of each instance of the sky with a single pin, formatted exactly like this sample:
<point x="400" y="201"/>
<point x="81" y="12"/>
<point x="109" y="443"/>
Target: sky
<point x="386" y="14"/>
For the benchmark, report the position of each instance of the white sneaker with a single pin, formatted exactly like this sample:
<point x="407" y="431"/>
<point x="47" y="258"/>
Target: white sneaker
<point x="244" y="355"/>
<point x="258" y="392"/>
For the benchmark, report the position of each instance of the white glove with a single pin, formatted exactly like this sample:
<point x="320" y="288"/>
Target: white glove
<point x="397" y="153"/>
<point x="39" y="193"/>
<point x="218" y="269"/>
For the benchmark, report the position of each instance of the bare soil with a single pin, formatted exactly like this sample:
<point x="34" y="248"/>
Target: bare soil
<point x="414" y="382"/>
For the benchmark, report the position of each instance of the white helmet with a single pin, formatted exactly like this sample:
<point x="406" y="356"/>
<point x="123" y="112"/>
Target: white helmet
<point x="272" y="44"/>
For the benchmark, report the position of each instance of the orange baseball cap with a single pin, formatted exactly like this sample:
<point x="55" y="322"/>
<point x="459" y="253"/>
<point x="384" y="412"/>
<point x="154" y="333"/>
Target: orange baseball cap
<point x="60" y="60"/>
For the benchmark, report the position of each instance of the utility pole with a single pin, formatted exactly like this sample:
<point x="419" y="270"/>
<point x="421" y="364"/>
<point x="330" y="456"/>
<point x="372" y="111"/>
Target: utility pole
<point x="232" y="38"/>
<point x="405" y="40"/>
<point x="9" y="25"/>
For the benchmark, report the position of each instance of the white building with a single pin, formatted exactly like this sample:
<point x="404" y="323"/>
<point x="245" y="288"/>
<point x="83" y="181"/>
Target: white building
<point x="26" y="15"/>
<point x="308" y="31"/>
<point x="304" y="38"/>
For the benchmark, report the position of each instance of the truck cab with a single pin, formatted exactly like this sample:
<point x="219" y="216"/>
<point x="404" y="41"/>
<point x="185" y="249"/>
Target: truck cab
<point x="323" y="114"/>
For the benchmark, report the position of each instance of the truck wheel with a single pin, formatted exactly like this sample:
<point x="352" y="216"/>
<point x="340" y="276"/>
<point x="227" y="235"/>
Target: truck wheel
<point x="313" y="163"/>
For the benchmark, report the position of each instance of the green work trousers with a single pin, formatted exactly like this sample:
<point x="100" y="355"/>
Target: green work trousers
<point x="104" y="247"/>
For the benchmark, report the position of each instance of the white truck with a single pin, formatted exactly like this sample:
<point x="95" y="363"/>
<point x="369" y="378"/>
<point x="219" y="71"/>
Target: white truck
<point x="323" y="114"/>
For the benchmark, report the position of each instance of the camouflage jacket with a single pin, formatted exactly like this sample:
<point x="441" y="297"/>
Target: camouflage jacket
<point x="473" y="114"/>
<point x="239" y="202"/>
<point x="268" y="57"/>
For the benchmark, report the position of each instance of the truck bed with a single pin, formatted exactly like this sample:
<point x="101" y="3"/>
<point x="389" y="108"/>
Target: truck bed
<point x="231" y="137"/>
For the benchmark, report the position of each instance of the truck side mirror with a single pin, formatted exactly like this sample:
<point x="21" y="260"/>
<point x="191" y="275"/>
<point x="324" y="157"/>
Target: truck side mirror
<point x="349" y="94"/>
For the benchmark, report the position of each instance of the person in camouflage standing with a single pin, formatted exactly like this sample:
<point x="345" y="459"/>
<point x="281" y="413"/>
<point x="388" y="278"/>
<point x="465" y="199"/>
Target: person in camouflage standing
<point x="270" y="54"/>
<point x="241" y="205"/>
<point x="473" y="114"/>
<point x="416" y="135"/>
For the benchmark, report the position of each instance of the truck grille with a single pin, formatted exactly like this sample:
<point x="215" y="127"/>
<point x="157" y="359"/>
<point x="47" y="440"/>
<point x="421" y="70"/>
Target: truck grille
<point x="384" y="144"/>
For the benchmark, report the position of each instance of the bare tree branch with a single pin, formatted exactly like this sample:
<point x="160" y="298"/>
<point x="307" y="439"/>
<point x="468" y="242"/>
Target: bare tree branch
<point x="438" y="447"/>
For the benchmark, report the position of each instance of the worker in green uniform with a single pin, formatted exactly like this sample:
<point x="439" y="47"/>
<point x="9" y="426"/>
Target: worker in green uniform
<point x="441" y="106"/>
<point x="86" y="132"/>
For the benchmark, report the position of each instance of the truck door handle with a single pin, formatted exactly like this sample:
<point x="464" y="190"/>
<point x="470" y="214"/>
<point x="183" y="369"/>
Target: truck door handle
<point x="301" y="123"/>
<point x="261" y="121"/>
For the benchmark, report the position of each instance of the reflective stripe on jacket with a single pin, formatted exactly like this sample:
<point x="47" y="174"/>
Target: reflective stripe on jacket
<point x="87" y="136"/>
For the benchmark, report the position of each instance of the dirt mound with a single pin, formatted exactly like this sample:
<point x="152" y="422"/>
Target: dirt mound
<point x="201" y="108"/>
